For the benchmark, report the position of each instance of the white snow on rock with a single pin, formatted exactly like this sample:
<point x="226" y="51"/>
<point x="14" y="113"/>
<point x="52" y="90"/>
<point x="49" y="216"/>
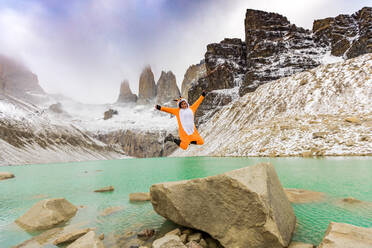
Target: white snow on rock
<point x="304" y="114"/>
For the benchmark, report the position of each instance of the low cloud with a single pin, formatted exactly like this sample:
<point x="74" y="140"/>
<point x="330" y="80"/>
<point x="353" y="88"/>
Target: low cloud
<point x="84" y="49"/>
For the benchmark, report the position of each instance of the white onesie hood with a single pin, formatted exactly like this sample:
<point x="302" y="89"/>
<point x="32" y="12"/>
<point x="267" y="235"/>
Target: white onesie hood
<point x="187" y="118"/>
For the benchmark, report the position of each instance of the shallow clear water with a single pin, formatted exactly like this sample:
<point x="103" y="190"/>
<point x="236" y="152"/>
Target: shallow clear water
<point x="337" y="177"/>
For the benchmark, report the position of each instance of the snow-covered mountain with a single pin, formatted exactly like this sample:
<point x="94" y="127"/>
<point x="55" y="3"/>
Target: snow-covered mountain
<point x="322" y="111"/>
<point x="75" y="131"/>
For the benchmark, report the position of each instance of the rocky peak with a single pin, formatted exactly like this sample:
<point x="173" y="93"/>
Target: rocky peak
<point x="347" y="35"/>
<point x="17" y="80"/>
<point x="147" y="87"/>
<point x="126" y="94"/>
<point x="192" y="75"/>
<point x="275" y="49"/>
<point x="166" y="88"/>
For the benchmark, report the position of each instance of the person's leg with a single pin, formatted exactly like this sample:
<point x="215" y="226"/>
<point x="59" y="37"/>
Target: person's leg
<point x="184" y="144"/>
<point x="177" y="141"/>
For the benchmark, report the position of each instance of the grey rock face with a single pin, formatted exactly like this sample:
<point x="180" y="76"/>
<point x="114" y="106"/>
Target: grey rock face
<point x="147" y="87"/>
<point x="166" y="88"/>
<point x="348" y="35"/>
<point x="241" y="208"/>
<point x="126" y="94"/>
<point x="139" y="144"/>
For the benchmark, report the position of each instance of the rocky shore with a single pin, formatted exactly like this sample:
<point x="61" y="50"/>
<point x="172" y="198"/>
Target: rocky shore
<point x="243" y="208"/>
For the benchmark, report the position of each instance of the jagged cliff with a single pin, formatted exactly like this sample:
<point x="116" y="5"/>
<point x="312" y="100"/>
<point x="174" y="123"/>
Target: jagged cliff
<point x="323" y="111"/>
<point x="274" y="48"/>
<point x="17" y="80"/>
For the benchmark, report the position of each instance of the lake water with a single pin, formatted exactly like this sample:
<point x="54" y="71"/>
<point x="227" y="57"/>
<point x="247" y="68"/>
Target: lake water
<point x="337" y="177"/>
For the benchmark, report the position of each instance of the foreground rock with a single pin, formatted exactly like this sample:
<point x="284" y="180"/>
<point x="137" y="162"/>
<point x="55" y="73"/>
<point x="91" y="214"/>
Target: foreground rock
<point x="168" y="241"/>
<point x="303" y="196"/>
<point x="46" y="214"/>
<point x="141" y="196"/>
<point x="70" y="237"/>
<point x="300" y="245"/>
<point x="89" y="240"/>
<point x="6" y="175"/>
<point x="343" y="235"/>
<point x="105" y="189"/>
<point x="241" y="208"/>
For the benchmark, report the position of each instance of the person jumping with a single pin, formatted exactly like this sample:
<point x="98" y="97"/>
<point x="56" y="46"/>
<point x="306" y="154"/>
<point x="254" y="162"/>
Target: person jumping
<point x="185" y="118"/>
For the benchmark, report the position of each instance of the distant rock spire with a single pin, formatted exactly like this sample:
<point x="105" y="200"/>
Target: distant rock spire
<point x="126" y="94"/>
<point x="167" y="89"/>
<point x="147" y="87"/>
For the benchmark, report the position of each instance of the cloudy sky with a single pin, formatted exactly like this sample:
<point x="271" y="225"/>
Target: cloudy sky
<point x="85" y="48"/>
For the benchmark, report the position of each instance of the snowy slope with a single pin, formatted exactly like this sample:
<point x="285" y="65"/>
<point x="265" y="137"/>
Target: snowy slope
<point x="89" y="117"/>
<point x="29" y="135"/>
<point x="323" y="111"/>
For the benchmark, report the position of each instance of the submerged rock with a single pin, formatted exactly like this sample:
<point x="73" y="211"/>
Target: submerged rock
<point x="343" y="235"/>
<point x="105" y="189"/>
<point x="89" y="240"/>
<point x="303" y="196"/>
<point x="241" y="208"/>
<point x="70" y="237"/>
<point x="6" y="175"/>
<point x="140" y="196"/>
<point x="111" y="210"/>
<point x="46" y="214"/>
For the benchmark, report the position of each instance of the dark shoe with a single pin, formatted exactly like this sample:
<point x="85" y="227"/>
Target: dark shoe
<point x="169" y="137"/>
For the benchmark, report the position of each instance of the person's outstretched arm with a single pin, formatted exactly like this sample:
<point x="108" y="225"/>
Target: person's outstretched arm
<point x="166" y="109"/>
<point x="196" y="104"/>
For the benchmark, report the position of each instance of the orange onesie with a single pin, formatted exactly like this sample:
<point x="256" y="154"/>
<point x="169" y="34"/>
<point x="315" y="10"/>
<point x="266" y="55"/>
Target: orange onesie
<point x="186" y="129"/>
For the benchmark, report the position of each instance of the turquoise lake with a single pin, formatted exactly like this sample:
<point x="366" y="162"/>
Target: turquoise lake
<point x="337" y="177"/>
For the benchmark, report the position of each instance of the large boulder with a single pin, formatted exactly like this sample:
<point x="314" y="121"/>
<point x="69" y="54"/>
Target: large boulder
<point x="46" y="214"/>
<point x="241" y="208"/>
<point x="147" y="86"/>
<point x="166" y="88"/>
<point x="341" y="235"/>
<point x="89" y="240"/>
<point x="126" y="94"/>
